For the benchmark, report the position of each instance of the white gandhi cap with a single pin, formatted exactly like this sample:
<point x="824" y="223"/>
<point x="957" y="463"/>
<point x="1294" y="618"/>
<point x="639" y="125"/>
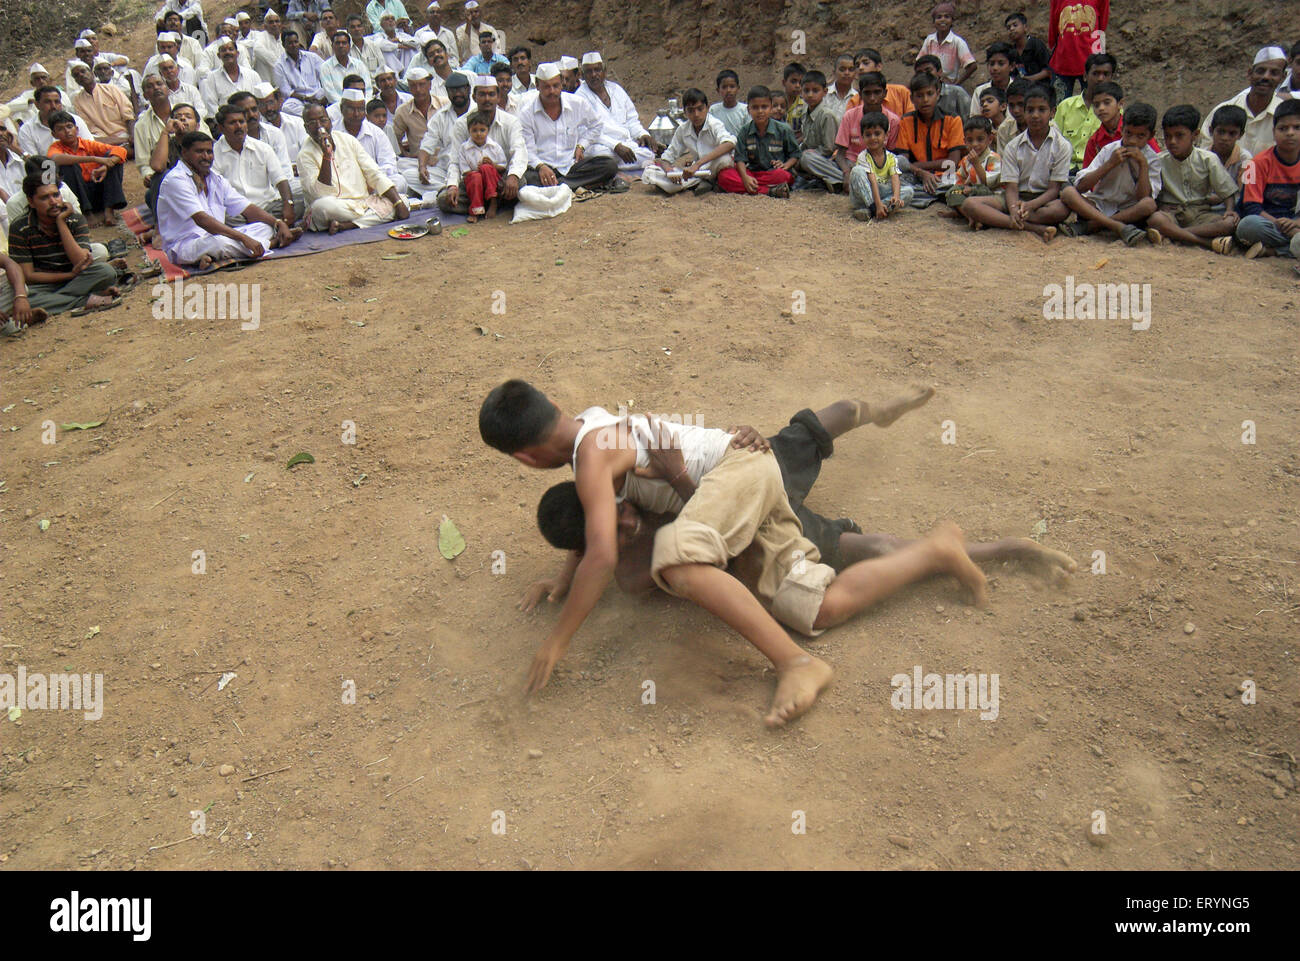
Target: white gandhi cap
<point x="548" y="71"/>
<point x="593" y="57"/>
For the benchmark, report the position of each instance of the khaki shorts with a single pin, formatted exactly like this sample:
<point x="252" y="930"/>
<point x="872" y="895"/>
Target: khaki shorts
<point x="741" y="504"/>
<point x="1192" y="215"/>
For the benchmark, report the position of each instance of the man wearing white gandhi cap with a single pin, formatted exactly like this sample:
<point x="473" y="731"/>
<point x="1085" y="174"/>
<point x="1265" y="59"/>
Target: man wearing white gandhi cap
<point x="467" y="33"/>
<point x="622" y="134"/>
<point x="1259" y="100"/>
<point x="570" y="74"/>
<point x="344" y="185"/>
<point x="559" y="129"/>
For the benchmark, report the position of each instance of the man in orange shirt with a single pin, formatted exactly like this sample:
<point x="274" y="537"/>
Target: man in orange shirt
<point x="92" y="170"/>
<point x="931" y="143"/>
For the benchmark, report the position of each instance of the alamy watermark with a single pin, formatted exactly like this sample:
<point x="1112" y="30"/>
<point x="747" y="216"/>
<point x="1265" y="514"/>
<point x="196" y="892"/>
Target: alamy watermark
<point x="919" y="691"/>
<point x="1088" y="301"/>
<point x="202" y="301"/>
<point x="53" y="692"/>
<point x="634" y="430"/>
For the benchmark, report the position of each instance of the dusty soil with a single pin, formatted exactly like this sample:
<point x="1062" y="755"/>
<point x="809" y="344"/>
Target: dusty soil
<point x="1122" y="441"/>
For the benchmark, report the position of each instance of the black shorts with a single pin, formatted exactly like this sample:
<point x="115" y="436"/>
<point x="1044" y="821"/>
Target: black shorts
<point x="800" y="447"/>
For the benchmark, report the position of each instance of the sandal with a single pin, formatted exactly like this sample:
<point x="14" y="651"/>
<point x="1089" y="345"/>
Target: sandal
<point x="150" y="268"/>
<point x="1222" y="245"/>
<point x="83" y="311"/>
<point x="617" y="186"/>
<point x="582" y="194"/>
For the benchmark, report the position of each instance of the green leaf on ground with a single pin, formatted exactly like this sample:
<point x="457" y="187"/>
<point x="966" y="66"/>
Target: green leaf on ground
<point x="90" y="426"/>
<point x="15" y="713"/>
<point x="1039" y="530"/>
<point x="302" y="458"/>
<point x="460" y="232"/>
<point x="450" y="541"/>
<point x="44" y="524"/>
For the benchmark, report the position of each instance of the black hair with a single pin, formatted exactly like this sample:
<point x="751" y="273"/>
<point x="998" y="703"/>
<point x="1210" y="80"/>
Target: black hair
<point x="1287" y="108"/>
<point x="694" y="95"/>
<point x="1041" y="91"/>
<point x="921" y="81"/>
<point x="872" y="78"/>
<point x="375" y="105"/>
<point x="1140" y="115"/>
<point x="871" y="54"/>
<point x="1000" y="47"/>
<point x="978" y="123"/>
<point x="227" y="110"/>
<point x="476" y="117"/>
<point x="791" y="69"/>
<point x="725" y="74"/>
<point x="61" y="116"/>
<point x="357" y="17"/>
<point x="193" y="137"/>
<point x="499" y="66"/>
<point x="874" y="119"/>
<point x="289" y="30"/>
<point x="562" y="518"/>
<point x="1018" y="87"/>
<point x="42" y="91"/>
<point x="1229" y="115"/>
<point x="516" y="415"/>
<point x="354" y="78"/>
<point x="1099" y="60"/>
<point x="758" y="92"/>
<point x="237" y="96"/>
<point x="1015" y="16"/>
<point x="1183" y="115"/>
<point x="815" y="76"/>
<point x="997" y="93"/>
<point x="843" y="57"/>
<point x="1110" y="88"/>
<point x="930" y="59"/>
<point x="34" y="182"/>
<point x="516" y="49"/>
<point x="429" y="43"/>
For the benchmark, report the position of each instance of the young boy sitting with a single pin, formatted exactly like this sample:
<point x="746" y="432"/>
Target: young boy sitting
<point x="997" y="58"/>
<point x="931" y="141"/>
<point x="1108" y="105"/>
<point x="701" y="146"/>
<point x="738" y="501"/>
<point x="875" y="186"/>
<point x="478" y="166"/>
<point x="820" y="127"/>
<point x="93" y="170"/>
<point x="979" y="173"/>
<point x="1118" y="190"/>
<point x="1035" y="167"/>
<point x="1193" y="182"/>
<point x="1226" y="127"/>
<point x="993" y="106"/>
<point x="795" y="108"/>
<point x="766" y="152"/>
<point x="848" y="139"/>
<point x="730" y="111"/>
<point x="779" y="105"/>
<point x="1271" y="192"/>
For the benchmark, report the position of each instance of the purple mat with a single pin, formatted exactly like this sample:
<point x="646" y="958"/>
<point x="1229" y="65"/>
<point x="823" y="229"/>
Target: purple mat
<point x="312" y="242"/>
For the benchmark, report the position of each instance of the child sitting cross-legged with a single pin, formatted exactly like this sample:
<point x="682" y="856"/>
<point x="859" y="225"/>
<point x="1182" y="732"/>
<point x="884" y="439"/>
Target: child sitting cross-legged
<point x="1193" y="182"/>
<point x="1118" y="190"/>
<point x="979" y="172"/>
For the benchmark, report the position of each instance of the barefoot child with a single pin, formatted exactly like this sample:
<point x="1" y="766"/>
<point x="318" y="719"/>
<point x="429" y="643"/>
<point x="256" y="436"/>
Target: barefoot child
<point x="1193" y="182"/>
<point x="980" y="172"/>
<point x="953" y="52"/>
<point x="1118" y="190"/>
<point x="1108" y="105"/>
<point x="875" y="186"/>
<point x="795" y="108"/>
<point x="930" y="140"/>
<point x="700" y="145"/>
<point x="481" y="161"/>
<point x="1035" y="166"/>
<point x="993" y="106"/>
<point x="848" y="139"/>
<point x="96" y="176"/>
<point x="765" y="153"/>
<point x="820" y="126"/>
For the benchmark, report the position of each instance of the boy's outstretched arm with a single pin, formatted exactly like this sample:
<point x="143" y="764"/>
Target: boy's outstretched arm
<point x="595" y="482"/>
<point x="551" y="588"/>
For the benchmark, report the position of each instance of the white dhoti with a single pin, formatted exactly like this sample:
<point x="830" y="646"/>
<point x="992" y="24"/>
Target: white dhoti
<point x="409" y="168"/>
<point x="326" y="209"/>
<point x="642" y="156"/>
<point x="656" y="176"/>
<point x="222" y="248"/>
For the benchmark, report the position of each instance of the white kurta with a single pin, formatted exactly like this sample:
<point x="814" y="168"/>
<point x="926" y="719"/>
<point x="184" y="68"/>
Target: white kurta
<point x="620" y="125"/>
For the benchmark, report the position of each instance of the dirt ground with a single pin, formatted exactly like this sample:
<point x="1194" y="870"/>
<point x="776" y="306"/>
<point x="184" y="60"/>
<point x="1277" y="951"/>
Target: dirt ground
<point x="1119" y="692"/>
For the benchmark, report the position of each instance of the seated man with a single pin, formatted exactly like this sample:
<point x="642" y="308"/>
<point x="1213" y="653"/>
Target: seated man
<point x="621" y="131"/>
<point x="251" y="167"/>
<point x="343" y="185"/>
<point x="16" y="313"/>
<point x="298" y="74"/>
<point x="436" y="147"/>
<point x="106" y="109"/>
<point x="482" y="61"/>
<point x="740" y="500"/>
<point x="52" y="246"/>
<point x="229" y="78"/>
<point x="372" y="139"/>
<point x="270" y="105"/>
<point x="194" y="206"/>
<point x="178" y="91"/>
<point x="505" y="131"/>
<point x="341" y="65"/>
<point x="559" y="128"/>
<point x="35" y="136"/>
<point x="93" y="170"/>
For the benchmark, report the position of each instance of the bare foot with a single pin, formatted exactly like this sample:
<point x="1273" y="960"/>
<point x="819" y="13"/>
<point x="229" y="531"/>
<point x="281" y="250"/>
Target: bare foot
<point x="798" y="684"/>
<point x="1047" y="234"/>
<point x="99" y="300"/>
<point x="948" y="540"/>
<point x="204" y="262"/>
<point x="471" y="218"/>
<point x="492" y="208"/>
<point x="334" y="226"/>
<point x="39" y="316"/>
<point x="882" y="415"/>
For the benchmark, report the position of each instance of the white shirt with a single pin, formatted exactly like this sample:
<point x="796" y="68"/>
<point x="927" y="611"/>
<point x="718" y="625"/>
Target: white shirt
<point x="1036" y="169"/>
<point x="34" y="138"/>
<point x="712" y="135"/>
<point x="355" y="175"/>
<point x="467" y="40"/>
<point x="333" y="72"/>
<point x="188" y="74"/>
<point x="437" y="143"/>
<point x="217" y="87"/>
<point x="275" y="139"/>
<point x="443" y="34"/>
<point x="12" y="173"/>
<point x="1116" y="190"/>
<point x="378" y="145"/>
<point x="468" y="155"/>
<point x="212" y="62"/>
<point x="266" y="52"/>
<point x="187" y="93"/>
<point x="179" y="199"/>
<point x="253" y="171"/>
<point x="507" y="132"/>
<point x="619" y="121"/>
<point x="553" y="142"/>
<point x="396" y="56"/>
<point x="293" y="131"/>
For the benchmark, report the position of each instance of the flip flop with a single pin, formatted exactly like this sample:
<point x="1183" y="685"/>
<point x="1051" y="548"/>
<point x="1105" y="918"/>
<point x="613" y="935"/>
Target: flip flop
<point x="83" y="311"/>
<point x="150" y="268"/>
<point x="128" y="280"/>
<point x="583" y="194"/>
<point x="1222" y="245"/>
<point x="618" y="186"/>
<point x="116" y="247"/>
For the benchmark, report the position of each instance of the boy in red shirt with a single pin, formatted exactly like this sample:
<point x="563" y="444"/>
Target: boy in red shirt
<point x="1271" y="191"/>
<point x="96" y="169"/>
<point x="1075" y="29"/>
<point x="1108" y="105"/>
